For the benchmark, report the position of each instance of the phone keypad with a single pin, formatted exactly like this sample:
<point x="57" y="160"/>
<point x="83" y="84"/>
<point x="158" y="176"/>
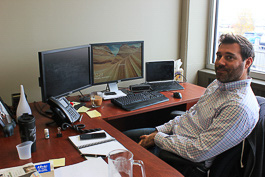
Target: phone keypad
<point x="74" y="114"/>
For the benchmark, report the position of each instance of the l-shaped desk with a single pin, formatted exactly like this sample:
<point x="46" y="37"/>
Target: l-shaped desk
<point x="54" y="147"/>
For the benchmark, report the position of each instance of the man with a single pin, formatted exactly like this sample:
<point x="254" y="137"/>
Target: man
<point x="223" y="117"/>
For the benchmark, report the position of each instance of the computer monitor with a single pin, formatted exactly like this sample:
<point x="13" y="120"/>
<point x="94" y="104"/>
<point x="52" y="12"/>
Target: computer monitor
<point x="117" y="61"/>
<point x="159" y="71"/>
<point x="64" y="71"/>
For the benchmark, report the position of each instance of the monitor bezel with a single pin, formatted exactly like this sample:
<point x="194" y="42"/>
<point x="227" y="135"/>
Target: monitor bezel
<point x="42" y="79"/>
<point x="147" y="70"/>
<point x="117" y="43"/>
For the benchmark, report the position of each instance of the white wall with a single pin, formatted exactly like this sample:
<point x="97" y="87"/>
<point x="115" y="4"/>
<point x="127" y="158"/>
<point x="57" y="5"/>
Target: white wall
<point x="30" y="26"/>
<point x="194" y="37"/>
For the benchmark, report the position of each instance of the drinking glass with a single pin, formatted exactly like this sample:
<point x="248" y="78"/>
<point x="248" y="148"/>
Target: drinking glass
<point x="96" y="99"/>
<point x="120" y="163"/>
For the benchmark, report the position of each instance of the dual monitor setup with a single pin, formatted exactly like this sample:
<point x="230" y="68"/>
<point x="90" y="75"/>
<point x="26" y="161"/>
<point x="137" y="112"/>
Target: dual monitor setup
<point x="68" y="70"/>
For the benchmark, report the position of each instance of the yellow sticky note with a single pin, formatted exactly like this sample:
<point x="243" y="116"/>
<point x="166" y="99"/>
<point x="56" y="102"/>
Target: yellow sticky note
<point x="93" y="114"/>
<point x="58" y="162"/>
<point x="83" y="109"/>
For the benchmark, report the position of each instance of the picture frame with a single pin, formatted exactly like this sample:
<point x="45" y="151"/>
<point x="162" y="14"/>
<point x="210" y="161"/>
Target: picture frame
<point x="5" y="114"/>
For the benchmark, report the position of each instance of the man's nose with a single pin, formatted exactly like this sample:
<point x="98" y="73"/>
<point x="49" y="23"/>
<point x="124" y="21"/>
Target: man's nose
<point x="222" y="61"/>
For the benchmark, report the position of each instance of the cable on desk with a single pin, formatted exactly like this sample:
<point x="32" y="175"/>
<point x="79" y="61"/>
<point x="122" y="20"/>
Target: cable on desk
<point x="40" y="111"/>
<point x="83" y="98"/>
<point x="79" y="128"/>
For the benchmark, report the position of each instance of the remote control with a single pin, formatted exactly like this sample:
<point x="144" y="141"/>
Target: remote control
<point x="92" y="136"/>
<point x="110" y="93"/>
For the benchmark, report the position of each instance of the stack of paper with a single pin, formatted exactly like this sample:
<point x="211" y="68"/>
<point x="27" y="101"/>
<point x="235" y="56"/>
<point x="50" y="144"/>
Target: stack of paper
<point x="93" y="167"/>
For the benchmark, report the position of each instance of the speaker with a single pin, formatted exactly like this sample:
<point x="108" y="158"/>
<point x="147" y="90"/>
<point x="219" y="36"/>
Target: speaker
<point x="140" y="87"/>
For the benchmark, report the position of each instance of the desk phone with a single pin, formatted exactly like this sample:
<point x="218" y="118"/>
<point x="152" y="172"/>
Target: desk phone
<point x="63" y="111"/>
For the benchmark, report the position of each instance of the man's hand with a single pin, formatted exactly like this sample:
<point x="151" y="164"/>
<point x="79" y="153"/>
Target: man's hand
<point x="148" y="140"/>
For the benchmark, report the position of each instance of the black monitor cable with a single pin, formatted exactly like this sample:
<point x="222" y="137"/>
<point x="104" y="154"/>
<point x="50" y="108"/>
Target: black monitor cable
<point x="41" y="112"/>
<point x="40" y="109"/>
<point x="83" y="98"/>
<point x="78" y="127"/>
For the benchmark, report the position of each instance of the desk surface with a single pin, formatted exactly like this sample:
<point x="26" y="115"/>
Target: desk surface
<point x="190" y="95"/>
<point x="61" y="147"/>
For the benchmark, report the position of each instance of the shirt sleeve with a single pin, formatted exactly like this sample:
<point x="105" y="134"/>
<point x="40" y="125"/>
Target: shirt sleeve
<point x="229" y="127"/>
<point x="168" y="127"/>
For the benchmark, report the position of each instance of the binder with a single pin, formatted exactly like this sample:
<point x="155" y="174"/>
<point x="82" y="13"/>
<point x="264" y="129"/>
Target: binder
<point x="95" y="147"/>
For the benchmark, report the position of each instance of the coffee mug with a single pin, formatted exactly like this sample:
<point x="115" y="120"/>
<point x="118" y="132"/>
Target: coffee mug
<point x="96" y="99"/>
<point x="120" y="163"/>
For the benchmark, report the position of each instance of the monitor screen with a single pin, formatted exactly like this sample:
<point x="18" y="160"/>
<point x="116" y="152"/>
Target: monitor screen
<point x="159" y="71"/>
<point x="64" y="71"/>
<point x="117" y="61"/>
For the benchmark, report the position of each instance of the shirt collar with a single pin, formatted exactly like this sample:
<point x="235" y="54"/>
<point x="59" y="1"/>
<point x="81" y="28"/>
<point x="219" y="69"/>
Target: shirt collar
<point x="234" y="85"/>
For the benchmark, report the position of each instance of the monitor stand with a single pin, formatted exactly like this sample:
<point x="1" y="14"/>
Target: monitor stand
<point x="115" y="92"/>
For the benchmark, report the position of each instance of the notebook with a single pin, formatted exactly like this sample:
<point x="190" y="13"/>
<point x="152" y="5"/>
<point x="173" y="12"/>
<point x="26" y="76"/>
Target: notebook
<point x="96" y="147"/>
<point x="160" y="76"/>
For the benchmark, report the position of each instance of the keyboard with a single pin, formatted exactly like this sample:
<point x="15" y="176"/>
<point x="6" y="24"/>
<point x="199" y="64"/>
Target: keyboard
<point x="139" y="100"/>
<point x="165" y="86"/>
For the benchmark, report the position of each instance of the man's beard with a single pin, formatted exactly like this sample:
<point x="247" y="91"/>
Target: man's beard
<point x="228" y="75"/>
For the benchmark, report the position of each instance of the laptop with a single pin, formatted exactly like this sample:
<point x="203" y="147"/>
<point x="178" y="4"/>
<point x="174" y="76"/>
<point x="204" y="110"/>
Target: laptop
<point x="160" y="76"/>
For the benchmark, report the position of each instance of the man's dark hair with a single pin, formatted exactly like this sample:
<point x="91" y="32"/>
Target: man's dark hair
<point x="247" y="49"/>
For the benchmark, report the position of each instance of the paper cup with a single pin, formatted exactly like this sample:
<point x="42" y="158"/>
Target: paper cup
<point x="24" y="150"/>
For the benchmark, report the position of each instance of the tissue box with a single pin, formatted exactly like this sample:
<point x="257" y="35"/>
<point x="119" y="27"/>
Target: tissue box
<point x="179" y="75"/>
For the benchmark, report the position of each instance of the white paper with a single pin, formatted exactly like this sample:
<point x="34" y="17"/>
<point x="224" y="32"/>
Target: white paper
<point x="118" y="94"/>
<point x="99" y="149"/>
<point x="93" y="167"/>
<point x="76" y="139"/>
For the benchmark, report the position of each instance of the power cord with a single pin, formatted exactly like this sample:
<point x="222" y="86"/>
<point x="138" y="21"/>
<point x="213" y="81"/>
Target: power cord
<point x="78" y="127"/>
<point x="83" y="98"/>
<point x="40" y="110"/>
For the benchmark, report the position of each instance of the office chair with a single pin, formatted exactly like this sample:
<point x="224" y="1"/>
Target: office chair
<point x="235" y="162"/>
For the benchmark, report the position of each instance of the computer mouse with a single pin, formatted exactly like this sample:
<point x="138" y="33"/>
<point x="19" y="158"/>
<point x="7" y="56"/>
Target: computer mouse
<point x="177" y="95"/>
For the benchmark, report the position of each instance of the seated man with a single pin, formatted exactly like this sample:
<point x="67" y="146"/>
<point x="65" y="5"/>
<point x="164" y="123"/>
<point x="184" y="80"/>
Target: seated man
<point x="223" y="117"/>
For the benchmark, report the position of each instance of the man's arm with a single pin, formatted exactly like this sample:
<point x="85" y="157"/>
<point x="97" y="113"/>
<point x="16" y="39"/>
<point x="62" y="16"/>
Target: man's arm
<point x="228" y="128"/>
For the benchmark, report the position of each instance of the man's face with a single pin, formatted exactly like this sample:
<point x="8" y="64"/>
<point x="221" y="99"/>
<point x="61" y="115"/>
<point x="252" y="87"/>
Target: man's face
<point x="229" y="65"/>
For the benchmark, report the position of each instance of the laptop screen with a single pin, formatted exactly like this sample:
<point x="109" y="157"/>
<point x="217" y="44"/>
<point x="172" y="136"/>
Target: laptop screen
<point x="159" y="71"/>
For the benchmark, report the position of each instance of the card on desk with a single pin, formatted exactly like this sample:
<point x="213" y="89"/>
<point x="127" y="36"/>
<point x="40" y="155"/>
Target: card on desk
<point x="96" y="147"/>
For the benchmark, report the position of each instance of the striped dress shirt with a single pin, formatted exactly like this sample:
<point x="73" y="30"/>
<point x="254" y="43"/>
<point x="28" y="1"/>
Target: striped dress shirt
<point x="223" y="117"/>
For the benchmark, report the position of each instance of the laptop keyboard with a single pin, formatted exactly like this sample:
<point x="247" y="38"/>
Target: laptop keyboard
<point x="165" y="86"/>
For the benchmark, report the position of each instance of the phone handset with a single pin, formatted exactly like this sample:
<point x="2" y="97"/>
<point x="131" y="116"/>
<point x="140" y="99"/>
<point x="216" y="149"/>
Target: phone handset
<point x="63" y="111"/>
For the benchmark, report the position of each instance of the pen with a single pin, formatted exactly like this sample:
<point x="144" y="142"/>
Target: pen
<point x="1" y="121"/>
<point x="3" y="117"/>
<point x="81" y="118"/>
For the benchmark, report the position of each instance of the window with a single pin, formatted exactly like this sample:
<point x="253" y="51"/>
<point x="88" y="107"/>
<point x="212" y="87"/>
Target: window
<point x="239" y="17"/>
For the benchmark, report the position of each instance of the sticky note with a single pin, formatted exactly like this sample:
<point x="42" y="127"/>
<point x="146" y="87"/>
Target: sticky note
<point x="93" y="114"/>
<point x="83" y="109"/>
<point x="58" y="162"/>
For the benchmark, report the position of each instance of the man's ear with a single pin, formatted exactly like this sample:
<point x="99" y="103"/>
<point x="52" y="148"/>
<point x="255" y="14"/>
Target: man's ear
<point x="248" y="62"/>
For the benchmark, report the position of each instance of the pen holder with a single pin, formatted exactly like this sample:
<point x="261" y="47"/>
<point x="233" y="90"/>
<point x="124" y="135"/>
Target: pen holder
<point x="8" y="129"/>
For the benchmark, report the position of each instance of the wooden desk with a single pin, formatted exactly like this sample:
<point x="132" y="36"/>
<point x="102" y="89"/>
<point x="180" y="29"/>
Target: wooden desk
<point x="190" y="95"/>
<point x="150" y="116"/>
<point x="61" y="147"/>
